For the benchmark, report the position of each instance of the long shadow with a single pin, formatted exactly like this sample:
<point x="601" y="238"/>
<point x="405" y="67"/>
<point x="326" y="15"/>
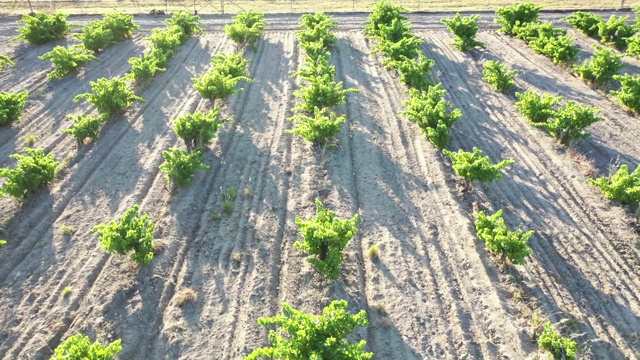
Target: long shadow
<point x="576" y="328"/>
<point x="24" y="241"/>
<point x="211" y="241"/>
<point x="521" y="180"/>
<point x="383" y="186"/>
<point x="593" y="145"/>
<point x="119" y="173"/>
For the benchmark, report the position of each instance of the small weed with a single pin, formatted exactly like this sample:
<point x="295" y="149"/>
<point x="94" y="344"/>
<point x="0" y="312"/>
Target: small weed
<point x="66" y="291"/>
<point x="374" y="252"/>
<point x="227" y="206"/>
<point x="537" y="321"/>
<point x="214" y="216"/>
<point x="232" y="192"/>
<point x="30" y="139"/>
<point x="246" y="192"/>
<point x="41" y="90"/>
<point x="186" y="296"/>
<point x="238" y="256"/>
<point x="67" y="230"/>
<point x="3" y="243"/>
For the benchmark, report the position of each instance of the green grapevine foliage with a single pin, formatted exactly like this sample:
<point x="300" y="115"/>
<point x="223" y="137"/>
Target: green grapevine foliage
<point x="41" y="28"/>
<point x="535" y="107"/>
<point x="314" y="336"/>
<point x="3" y="243"/>
<point x="129" y="232"/>
<point x="322" y="92"/>
<point x="186" y="23"/>
<point x="601" y="67"/>
<point x="4" y="59"/>
<point x="570" y="121"/>
<point x="166" y="40"/>
<point x="534" y="30"/>
<point x="511" y="16"/>
<point x="143" y="68"/>
<point x="473" y="166"/>
<point x="559" y="49"/>
<point x="230" y="64"/>
<point x="11" y="106"/>
<point x="95" y="36"/>
<point x="317" y="28"/>
<point x="110" y="96"/>
<point x="247" y="28"/>
<point x="79" y="347"/>
<point x="198" y="129"/>
<point x="406" y="48"/>
<point x="586" y="22"/>
<point x="318" y="128"/>
<point x="316" y="67"/>
<point x="561" y="348"/>
<point x="65" y="60"/>
<point x="112" y="28"/>
<point x="429" y="110"/>
<point x="215" y="85"/>
<point x="499" y="75"/>
<point x="494" y="232"/>
<point x="396" y="31"/>
<point x="314" y="50"/>
<point x="383" y="13"/>
<point x="615" y="32"/>
<point x="121" y="25"/>
<point x="633" y="48"/>
<point x="629" y="93"/>
<point x="548" y="40"/>
<point x="181" y="165"/>
<point x="84" y="127"/>
<point x="324" y="238"/>
<point x="318" y="124"/>
<point x="414" y="72"/>
<point x="33" y="171"/>
<point x="464" y="29"/>
<point x="621" y="186"/>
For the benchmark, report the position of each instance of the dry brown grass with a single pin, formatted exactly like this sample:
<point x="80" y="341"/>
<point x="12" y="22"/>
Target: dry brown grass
<point x="287" y="6"/>
<point x="186" y="296"/>
<point x="587" y="165"/>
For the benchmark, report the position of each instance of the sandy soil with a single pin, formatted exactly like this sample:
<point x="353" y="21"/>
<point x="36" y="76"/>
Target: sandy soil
<point x="443" y="295"/>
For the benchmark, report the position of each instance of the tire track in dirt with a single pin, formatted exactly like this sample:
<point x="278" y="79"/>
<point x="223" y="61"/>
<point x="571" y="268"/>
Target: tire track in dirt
<point x="570" y="210"/>
<point x="475" y="331"/>
<point x="627" y="149"/>
<point x="356" y="291"/>
<point x="111" y="143"/>
<point x="614" y="137"/>
<point x="237" y="169"/>
<point x="156" y="159"/>
<point x="45" y="113"/>
<point x="147" y="286"/>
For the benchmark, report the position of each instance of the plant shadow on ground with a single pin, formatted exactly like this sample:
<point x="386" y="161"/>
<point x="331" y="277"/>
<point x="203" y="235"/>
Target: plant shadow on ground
<point x="590" y="346"/>
<point x="25" y="253"/>
<point x="212" y="261"/>
<point x="383" y="188"/>
<point x="485" y="132"/>
<point x="601" y="153"/>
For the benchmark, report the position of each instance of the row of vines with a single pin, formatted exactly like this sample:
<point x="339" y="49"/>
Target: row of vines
<point x="316" y="120"/>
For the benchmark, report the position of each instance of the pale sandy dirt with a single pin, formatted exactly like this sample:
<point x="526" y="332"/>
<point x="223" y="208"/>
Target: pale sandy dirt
<point x="443" y="295"/>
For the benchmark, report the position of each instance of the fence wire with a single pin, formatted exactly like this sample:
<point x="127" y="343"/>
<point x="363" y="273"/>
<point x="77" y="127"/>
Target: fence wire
<point x="282" y="6"/>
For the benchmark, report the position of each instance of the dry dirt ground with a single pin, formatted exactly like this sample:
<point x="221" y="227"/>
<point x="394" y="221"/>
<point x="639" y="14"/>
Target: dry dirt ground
<point x="434" y="293"/>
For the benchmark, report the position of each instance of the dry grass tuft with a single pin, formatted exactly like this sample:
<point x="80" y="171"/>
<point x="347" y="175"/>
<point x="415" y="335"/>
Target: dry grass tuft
<point x="586" y="164"/>
<point x="187" y="295"/>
